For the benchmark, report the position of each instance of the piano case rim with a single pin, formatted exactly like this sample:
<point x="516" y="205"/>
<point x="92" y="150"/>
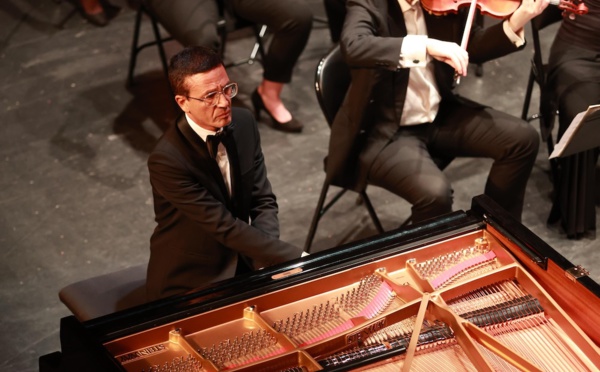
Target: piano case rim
<point x="536" y="254"/>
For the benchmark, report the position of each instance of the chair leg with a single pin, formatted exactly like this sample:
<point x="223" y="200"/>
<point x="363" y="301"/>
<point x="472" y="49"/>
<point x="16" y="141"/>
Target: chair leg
<point x="316" y="217"/>
<point x="134" y="47"/>
<point x="222" y="31"/>
<point x="322" y="208"/>
<point x="161" y="49"/>
<point x="320" y="211"/>
<point x="479" y="70"/>
<point x="550" y="148"/>
<point x="407" y="221"/>
<point x="371" y="210"/>
<point x="258" y="45"/>
<point x="258" y="48"/>
<point x="528" y="92"/>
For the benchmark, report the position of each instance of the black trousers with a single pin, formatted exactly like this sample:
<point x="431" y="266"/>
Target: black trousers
<point x="194" y="22"/>
<point x="406" y="166"/>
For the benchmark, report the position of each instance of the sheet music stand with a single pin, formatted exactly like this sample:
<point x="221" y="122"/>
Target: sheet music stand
<point x="582" y="134"/>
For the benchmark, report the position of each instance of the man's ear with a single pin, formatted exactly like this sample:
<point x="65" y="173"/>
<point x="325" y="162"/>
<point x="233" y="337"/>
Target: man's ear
<point x="182" y="101"/>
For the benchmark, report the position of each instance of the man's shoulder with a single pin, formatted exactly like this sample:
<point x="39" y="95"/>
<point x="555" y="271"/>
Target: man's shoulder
<point x="171" y="141"/>
<point x="241" y="113"/>
<point x="242" y="120"/>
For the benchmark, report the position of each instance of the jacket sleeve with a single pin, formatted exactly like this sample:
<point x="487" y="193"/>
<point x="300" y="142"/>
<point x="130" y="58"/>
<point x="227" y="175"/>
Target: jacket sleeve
<point x="365" y="40"/>
<point x="263" y="205"/>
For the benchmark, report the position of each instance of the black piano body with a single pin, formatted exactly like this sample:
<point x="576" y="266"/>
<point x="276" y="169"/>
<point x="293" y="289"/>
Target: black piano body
<point x="475" y="287"/>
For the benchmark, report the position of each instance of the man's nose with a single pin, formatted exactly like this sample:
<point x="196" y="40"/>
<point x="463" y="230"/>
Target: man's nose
<point x="225" y="99"/>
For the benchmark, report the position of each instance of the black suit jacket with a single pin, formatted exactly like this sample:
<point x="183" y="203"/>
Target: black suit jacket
<point x="201" y="232"/>
<point x="370" y="114"/>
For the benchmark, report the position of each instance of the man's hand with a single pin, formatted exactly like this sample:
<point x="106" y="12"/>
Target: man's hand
<point x="450" y="53"/>
<point x="528" y="10"/>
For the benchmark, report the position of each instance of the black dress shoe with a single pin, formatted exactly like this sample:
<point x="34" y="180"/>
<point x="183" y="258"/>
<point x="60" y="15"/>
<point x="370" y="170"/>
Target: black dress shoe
<point x="98" y="19"/>
<point x="292" y="126"/>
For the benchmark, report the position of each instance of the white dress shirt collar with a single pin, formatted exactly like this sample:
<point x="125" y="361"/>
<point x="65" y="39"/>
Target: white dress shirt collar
<point x="203" y="133"/>
<point x="405" y="5"/>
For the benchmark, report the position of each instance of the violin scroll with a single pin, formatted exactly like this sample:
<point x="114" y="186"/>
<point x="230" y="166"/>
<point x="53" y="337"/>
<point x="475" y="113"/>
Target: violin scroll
<point x="570" y="6"/>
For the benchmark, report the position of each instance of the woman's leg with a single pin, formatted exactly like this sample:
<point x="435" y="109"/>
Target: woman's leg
<point x="290" y="22"/>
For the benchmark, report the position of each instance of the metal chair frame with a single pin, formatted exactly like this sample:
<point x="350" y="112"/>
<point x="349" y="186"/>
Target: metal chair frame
<point x="258" y="49"/>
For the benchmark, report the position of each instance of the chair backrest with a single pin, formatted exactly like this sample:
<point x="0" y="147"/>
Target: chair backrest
<point x="332" y="80"/>
<point x="548" y="17"/>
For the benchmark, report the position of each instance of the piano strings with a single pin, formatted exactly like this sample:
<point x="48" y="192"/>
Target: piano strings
<point x="178" y="364"/>
<point x="252" y="346"/>
<point x="392" y="341"/>
<point x="522" y="325"/>
<point x="505" y="310"/>
<point x="370" y="298"/>
<point x="444" y="270"/>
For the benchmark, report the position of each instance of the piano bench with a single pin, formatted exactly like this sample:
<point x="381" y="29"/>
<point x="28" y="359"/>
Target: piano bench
<point x="106" y="294"/>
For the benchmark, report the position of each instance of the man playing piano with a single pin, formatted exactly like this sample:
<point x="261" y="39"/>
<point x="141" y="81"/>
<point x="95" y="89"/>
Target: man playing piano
<point x="215" y="211"/>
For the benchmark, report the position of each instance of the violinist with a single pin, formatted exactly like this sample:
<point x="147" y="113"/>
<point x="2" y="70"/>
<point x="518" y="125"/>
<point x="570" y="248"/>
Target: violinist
<point x="400" y="111"/>
<point x="574" y="81"/>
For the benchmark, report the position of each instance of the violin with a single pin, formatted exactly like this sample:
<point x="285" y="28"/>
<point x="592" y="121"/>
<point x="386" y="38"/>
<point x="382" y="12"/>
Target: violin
<point x="495" y="8"/>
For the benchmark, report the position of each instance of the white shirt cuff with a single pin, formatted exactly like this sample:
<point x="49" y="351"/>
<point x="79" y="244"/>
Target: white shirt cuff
<point x="414" y="51"/>
<point x="517" y="39"/>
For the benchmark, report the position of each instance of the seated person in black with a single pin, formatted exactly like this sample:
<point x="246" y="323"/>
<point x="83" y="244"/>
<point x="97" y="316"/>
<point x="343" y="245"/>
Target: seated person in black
<point x="574" y="78"/>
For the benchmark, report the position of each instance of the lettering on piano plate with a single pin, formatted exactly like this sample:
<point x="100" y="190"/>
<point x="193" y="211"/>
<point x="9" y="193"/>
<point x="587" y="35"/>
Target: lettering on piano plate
<point x="142" y="353"/>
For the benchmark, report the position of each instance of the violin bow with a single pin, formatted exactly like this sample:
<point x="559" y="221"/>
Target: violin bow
<point x="568" y="6"/>
<point x="467" y="32"/>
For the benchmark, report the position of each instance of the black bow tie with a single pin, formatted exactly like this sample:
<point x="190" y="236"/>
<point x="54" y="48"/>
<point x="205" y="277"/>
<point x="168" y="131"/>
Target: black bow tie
<point x="212" y="142"/>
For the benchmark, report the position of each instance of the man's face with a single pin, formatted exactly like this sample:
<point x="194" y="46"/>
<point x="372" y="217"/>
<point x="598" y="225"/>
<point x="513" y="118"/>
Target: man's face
<point x="210" y="116"/>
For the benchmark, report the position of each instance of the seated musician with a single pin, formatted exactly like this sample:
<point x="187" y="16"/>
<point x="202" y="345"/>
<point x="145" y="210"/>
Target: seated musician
<point x="403" y="62"/>
<point x="215" y="211"/>
<point x="574" y="78"/>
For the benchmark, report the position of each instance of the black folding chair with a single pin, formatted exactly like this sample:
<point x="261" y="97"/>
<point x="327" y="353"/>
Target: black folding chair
<point x="332" y="79"/>
<point x="538" y="75"/>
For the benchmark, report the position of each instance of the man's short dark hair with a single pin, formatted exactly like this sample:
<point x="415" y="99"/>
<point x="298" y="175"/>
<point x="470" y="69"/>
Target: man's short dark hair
<point x="188" y="62"/>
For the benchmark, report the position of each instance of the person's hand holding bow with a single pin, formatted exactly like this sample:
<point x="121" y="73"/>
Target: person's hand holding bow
<point x="450" y="53"/>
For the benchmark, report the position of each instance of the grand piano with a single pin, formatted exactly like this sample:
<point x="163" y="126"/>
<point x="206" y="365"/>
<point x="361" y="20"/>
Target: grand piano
<point x="473" y="290"/>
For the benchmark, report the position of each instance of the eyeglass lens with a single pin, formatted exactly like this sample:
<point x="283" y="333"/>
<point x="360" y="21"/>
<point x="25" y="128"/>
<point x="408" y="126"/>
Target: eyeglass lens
<point x="229" y="90"/>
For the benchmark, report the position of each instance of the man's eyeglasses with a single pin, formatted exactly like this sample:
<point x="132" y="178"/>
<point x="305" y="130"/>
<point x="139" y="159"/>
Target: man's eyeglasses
<point x="212" y="98"/>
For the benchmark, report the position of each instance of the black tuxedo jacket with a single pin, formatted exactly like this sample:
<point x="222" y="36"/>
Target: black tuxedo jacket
<point x="201" y="231"/>
<point x="370" y="114"/>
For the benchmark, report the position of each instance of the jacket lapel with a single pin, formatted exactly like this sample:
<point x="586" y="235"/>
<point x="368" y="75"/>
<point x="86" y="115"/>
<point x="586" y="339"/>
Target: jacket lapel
<point x="234" y="166"/>
<point x="395" y="20"/>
